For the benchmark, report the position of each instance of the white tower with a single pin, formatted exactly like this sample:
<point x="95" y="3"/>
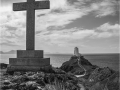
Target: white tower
<point x="76" y="52"/>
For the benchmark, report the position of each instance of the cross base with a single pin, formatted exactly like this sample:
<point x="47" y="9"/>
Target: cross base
<point x="24" y="68"/>
<point x="28" y="60"/>
<point x="29" y="53"/>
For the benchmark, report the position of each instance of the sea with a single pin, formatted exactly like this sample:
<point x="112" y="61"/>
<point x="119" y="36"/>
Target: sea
<point x="56" y="60"/>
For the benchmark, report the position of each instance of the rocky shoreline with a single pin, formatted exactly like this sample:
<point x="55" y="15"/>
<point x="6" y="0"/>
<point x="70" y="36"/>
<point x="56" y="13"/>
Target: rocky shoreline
<point x="63" y="78"/>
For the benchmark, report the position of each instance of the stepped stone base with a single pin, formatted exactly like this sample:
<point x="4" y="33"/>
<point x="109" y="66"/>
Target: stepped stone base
<point x="30" y="53"/>
<point x="28" y="60"/>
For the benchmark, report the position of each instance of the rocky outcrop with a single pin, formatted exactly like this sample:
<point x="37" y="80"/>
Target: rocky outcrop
<point x="72" y="66"/>
<point x="103" y="79"/>
<point x="98" y="75"/>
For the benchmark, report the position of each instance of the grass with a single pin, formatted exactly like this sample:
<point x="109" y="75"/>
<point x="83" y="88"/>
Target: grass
<point x="56" y="86"/>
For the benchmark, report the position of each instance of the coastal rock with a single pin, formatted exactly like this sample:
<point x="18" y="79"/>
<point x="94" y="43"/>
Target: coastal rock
<point x="103" y="79"/>
<point x="73" y="67"/>
<point x="99" y="74"/>
<point x="113" y="83"/>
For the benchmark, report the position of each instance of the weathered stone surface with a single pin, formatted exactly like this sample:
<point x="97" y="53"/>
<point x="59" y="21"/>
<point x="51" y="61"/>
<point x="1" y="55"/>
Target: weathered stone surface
<point x="29" y="53"/>
<point x="29" y="61"/>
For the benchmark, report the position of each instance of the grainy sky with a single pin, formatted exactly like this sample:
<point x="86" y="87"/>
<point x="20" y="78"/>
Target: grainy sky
<point x="91" y="25"/>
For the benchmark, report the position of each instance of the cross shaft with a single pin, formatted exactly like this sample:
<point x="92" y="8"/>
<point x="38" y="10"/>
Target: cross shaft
<point x="31" y="6"/>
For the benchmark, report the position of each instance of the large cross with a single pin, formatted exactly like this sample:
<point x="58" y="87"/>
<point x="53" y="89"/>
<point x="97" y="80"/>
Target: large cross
<point x="30" y="6"/>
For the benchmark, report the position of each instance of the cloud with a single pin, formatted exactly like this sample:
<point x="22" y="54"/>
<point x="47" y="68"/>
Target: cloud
<point x="64" y="37"/>
<point x="100" y="8"/>
<point x="105" y="7"/>
<point x="58" y="4"/>
<point x="109" y="27"/>
<point x="67" y="37"/>
<point x="57" y="19"/>
<point x="103" y="35"/>
<point x="62" y="13"/>
<point x="108" y="30"/>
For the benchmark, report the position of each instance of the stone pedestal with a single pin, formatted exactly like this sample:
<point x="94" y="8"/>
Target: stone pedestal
<point x="28" y="60"/>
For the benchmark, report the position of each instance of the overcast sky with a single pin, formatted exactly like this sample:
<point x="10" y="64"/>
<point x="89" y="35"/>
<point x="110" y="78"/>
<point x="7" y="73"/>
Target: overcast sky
<point x="91" y="25"/>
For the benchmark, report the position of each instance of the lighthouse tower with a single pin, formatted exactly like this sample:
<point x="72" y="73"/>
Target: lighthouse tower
<point x="76" y="52"/>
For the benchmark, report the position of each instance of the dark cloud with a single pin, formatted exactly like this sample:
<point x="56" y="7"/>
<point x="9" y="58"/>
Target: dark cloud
<point x="58" y="11"/>
<point x="41" y="15"/>
<point x="52" y="28"/>
<point x="72" y="1"/>
<point x="37" y="32"/>
<point x="90" y="22"/>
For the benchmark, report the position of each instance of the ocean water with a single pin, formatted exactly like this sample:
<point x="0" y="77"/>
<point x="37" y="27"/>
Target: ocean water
<point x="102" y="60"/>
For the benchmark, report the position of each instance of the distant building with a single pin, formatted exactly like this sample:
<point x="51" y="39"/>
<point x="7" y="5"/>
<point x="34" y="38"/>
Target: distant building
<point x="76" y="52"/>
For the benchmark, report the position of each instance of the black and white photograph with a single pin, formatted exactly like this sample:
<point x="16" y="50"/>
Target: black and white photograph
<point x="59" y="45"/>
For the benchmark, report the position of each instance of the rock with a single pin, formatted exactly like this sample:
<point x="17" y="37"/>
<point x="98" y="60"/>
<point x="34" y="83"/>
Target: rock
<point x="17" y="73"/>
<point x="29" y="73"/>
<point x="50" y="69"/>
<point x="58" y="71"/>
<point x="113" y="82"/>
<point x="5" y="87"/>
<point x="73" y="67"/>
<point x="103" y="79"/>
<point x="20" y="79"/>
<point x="3" y="65"/>
<point x="6" y="82"/>
<point x="30" y="85"/>
<point x="99" y="74"/>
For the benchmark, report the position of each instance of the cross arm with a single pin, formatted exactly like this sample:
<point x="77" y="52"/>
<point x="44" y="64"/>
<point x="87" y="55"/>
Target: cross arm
<point x="42" y="5"/>
<point x="19" y="6"/>
<point x="36" y="5"/>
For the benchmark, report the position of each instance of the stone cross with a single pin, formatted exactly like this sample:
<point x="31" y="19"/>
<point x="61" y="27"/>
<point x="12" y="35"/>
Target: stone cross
<point x="30" y="6"/>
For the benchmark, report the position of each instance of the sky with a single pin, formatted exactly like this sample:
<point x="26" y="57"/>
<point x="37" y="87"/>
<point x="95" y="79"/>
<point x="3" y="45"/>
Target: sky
<point x="90" y="25"/>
